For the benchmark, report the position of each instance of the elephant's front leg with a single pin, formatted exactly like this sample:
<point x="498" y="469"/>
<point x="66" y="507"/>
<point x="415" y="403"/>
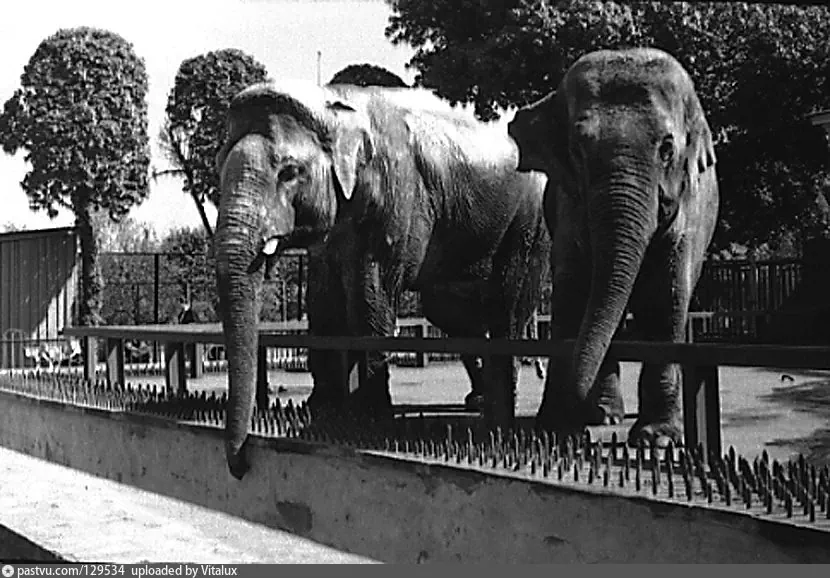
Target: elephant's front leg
<point x="326" y="304"/>
<point x="371" y="312"/>
<point x="660" y="305"/>
<point x="561" y="409"/>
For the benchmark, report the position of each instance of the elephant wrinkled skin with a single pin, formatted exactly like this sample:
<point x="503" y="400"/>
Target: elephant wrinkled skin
<point x="389" y="189"/>
<point x="631" y="203"/>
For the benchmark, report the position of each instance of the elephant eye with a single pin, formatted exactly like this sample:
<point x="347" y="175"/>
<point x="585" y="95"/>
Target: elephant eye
<point x="288" y="173"/>
<point x="666" y="150"/>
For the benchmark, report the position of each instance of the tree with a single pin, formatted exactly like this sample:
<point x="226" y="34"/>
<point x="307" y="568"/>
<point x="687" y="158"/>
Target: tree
<point x="195" y="124"/>
<point x="759" y="71"/>
<point x="367" y="75"/>
<point x="81" y="116"/>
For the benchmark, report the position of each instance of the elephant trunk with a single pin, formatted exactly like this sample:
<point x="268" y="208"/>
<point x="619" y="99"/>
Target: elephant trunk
<point x="623" y="218"/>
<point x="237" y="244"/>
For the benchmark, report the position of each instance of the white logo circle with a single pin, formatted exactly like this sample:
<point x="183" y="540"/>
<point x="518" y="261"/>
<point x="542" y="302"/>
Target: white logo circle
<point x="8" y="570"/>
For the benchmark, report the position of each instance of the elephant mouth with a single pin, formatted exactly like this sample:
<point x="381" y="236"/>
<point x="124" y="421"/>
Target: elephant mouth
<point x="272" y="247"/>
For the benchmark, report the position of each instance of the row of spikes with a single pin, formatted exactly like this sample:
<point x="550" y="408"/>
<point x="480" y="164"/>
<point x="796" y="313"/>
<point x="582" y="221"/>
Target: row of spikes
<point x="733" y="477"/>
<point x="151" y="399"/>
<point x="728" y="481"/>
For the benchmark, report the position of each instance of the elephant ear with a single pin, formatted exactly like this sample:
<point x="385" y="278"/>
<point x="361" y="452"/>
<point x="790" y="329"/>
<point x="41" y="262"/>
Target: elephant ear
<point x="540" y="132"/>
<point x="351" y="145"/>
<point x="699" y="146"/>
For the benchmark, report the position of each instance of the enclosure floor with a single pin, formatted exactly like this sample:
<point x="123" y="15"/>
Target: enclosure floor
<point x="785" y="412"/>
<point x="83" y="518"/>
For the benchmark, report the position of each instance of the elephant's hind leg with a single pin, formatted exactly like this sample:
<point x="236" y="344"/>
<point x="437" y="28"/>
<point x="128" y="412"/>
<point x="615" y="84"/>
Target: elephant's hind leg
<point x="456" y="309"/>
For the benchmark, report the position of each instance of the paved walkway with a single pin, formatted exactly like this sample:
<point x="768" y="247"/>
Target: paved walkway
<point x="84" y="518"/>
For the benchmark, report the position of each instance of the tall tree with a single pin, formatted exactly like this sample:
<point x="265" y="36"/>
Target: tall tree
<point x="195" y="124"/>
<point x="81" y="116"/>
<point x="367" y="75"/>
<point x="759" y="69"/>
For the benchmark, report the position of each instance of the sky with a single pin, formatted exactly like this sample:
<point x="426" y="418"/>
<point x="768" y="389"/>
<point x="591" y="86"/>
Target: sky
<point x="284" y="35"/>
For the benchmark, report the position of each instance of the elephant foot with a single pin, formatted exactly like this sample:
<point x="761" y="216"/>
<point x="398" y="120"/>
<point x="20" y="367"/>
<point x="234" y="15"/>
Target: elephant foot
<point x="604" y="415"/>
<point x="569" y="419"/>
<point x="474" y="401"/>
<point x="606" y="409"/>
<point x="658" y="433"/>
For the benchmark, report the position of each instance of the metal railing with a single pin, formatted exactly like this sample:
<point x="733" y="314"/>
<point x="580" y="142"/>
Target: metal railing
<point x="700" y="361"/>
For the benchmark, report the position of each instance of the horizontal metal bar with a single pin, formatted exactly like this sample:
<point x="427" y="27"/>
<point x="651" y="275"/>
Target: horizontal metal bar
<point x="806" y="357"/>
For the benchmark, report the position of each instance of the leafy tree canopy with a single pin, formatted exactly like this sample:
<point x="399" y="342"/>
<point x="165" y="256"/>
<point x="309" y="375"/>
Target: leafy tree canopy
<point x="81" y="116"/>
<point x="367" y="75"/>
<point x="760" y="69"/>
<point x="195" y="124"/>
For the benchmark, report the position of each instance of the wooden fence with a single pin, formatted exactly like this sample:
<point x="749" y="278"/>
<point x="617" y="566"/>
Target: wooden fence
<point x="38" y="288"/>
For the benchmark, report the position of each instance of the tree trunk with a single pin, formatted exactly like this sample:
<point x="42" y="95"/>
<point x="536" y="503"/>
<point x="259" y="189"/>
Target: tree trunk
<point x="89" y="312"/>
<point x="201" y="208"/>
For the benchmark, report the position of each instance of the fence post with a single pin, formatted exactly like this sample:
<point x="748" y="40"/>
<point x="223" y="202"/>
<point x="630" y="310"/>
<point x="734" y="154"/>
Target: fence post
<point x="262" y="400"/>
<point x="90" y="355"/>
<point x="156" y="267"/>
<point x="300" y="288"/>
<point x="115" y="361"/>
<point x="174" y="367"/>
<point x="701" y="408"/>
<point x="421" y="357"/>
<point x="196" y="353"/>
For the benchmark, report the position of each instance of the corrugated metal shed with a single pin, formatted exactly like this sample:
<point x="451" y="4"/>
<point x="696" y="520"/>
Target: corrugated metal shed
<point x="38" y="283"/>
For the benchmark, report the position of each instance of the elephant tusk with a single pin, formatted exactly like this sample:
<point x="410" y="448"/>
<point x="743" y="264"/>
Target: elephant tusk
<point x="271" y="246"/>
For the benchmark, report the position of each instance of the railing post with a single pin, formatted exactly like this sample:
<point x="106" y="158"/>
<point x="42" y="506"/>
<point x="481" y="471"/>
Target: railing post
<point x="90" y="355"/>
<point x="262" y="400"/>
<point x="115" y="360"/>
<point x="701" y="408"/>
<point x="195" y="352"/>
<point x="174" y="368"/>
<point x="359" y="374"/>
<point x="421" y="357"/>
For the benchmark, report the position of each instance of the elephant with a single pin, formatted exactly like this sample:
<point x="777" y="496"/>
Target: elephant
<point x="388" y="190"/>
<point x="631" y="203"/>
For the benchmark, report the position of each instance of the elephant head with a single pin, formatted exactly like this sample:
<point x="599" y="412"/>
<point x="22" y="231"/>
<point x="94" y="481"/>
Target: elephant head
<point x="290" y="158"/>
<point x="624" y="137"/>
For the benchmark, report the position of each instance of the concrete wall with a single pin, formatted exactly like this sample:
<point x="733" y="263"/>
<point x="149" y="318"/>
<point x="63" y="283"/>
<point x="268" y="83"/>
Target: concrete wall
<point x="391" y="509"/>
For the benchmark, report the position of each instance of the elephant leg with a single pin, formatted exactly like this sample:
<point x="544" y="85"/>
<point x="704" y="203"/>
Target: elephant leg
<point x="519" y="268"/>
<point x="456" y="310"/>
<point x="660" y="305"/>
<point x="370" y="311"/>
<point x="560" y="409"/>
<point x="326" y="303"/>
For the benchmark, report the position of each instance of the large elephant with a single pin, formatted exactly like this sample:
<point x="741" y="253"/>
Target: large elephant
<point x="389" y="189"/>
<point x="632" y="203"/>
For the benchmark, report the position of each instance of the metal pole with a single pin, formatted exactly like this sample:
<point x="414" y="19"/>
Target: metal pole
<point x="156" y="266"/>
<point x="156" y="262"/>
<point x="300" y="289"/>
<point x="319" y="55"/>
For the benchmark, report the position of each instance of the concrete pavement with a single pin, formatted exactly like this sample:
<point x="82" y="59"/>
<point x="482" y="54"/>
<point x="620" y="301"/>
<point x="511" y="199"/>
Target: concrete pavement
<point x="47" y="508"/>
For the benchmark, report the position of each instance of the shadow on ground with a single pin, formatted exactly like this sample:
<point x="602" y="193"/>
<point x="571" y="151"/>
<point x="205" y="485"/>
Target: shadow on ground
<point x="811" y="396"/>
<point x="815" y="447"/>
<point x="747" y="418"/>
